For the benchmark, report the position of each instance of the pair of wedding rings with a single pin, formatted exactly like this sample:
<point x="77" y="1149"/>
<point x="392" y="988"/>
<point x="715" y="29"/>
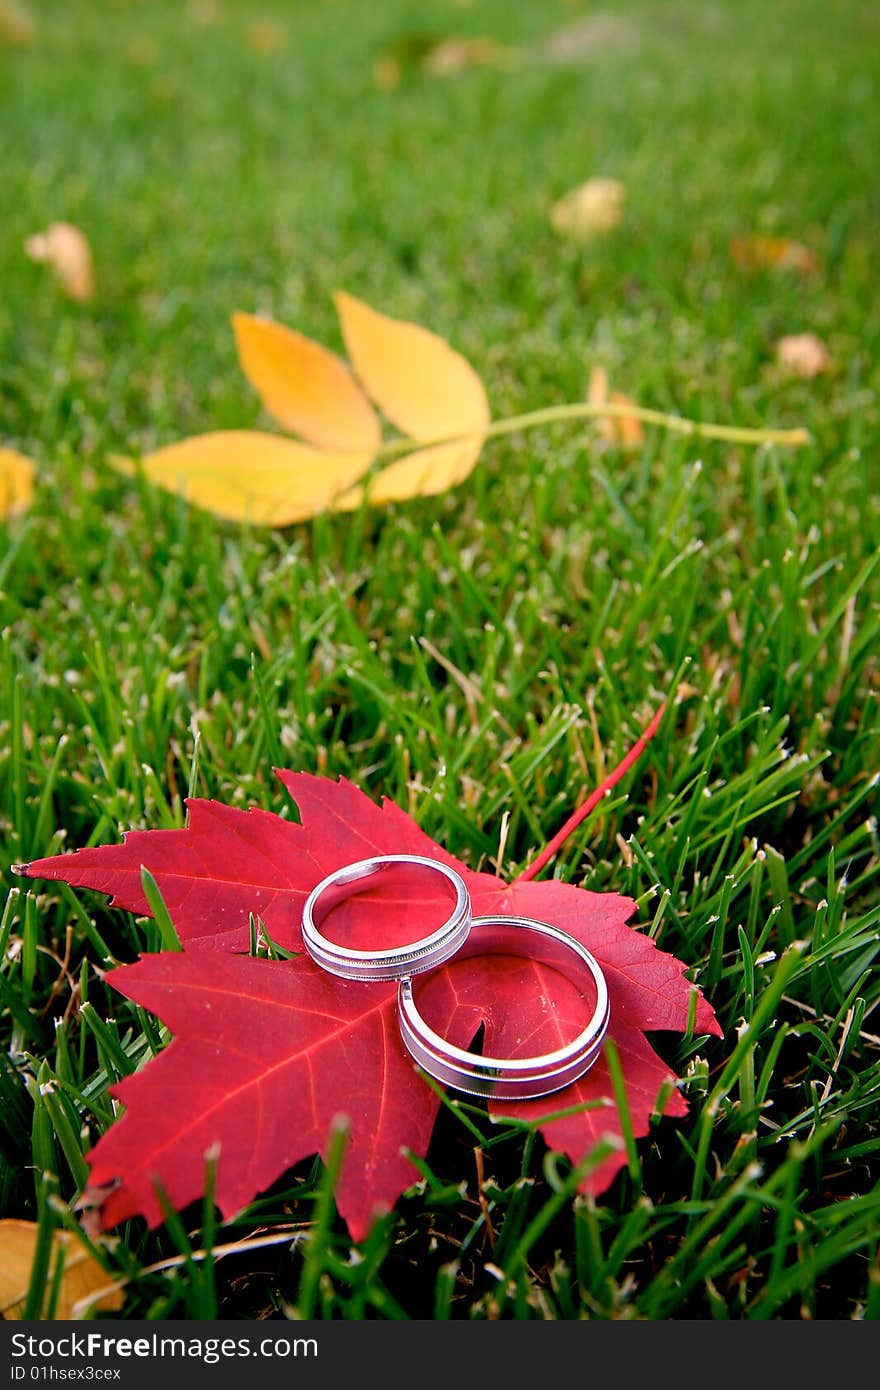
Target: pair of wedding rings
<point x="461" y="935"/>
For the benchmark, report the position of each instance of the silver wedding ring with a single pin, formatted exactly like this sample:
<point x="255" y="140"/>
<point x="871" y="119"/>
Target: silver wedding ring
<point x="391" y="964"/>
<point x="513" y="1078"/>
<point x="519" y="1078"/>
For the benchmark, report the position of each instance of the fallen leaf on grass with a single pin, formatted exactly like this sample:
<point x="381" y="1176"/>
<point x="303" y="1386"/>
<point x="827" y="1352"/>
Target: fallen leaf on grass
<point x="762" y="252"/>
<point x="17" y="474"/>
<point x="590" y="210"/>
<point x="16" y="23"/>
<point x="585" y="37"/>
<point x="439" y="57"/>
<point x="243" y="475"/>
<point x="65" y="249"/>
<point x="81" y="1276"/>
<point x="456" y="54"/>
<point x="421" y="384"/>
<point x="624" y="430"/>
<point x="305" y="386"/>
<point x="803" y="354"/>
<point x="425" y="388"/>
<point x="267" y="1054"/>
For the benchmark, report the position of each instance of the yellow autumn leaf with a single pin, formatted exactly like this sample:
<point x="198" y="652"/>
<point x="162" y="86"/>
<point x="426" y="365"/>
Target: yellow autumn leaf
<point x="590" y="210"/>
<point x="81" y="1276"/>
<point x="624" y="430"/>
<point x="305" y="386"/>
<point x="17" y="474"/>
<point x="803" y="355"/>
<point x="422" y="385"/>
<point x="762" y="252"/>
<point x="421" y="474"/>
<point x="425" y="388"/>
<point x="244" y="475"/>
<point x="65" y="249"/>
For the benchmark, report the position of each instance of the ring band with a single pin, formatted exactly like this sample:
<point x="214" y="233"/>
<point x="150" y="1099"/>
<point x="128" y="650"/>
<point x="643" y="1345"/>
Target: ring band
<point x="400" y="960"/>
<point x="520" y="1078"/>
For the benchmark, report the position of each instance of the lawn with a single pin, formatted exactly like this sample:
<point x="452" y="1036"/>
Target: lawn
<point x="484" y="657"/>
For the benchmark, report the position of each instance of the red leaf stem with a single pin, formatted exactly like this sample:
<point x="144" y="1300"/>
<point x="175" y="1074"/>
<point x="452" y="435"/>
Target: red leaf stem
<point x="593" y="799"/>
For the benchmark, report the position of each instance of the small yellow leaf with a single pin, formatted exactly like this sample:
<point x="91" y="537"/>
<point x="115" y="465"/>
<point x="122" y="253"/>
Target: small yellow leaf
<point x="66" y="250"/>
<point x="803" y="354"/>
<point x="624" y="430"/>
<point x="760" y="252"/>
<point x="258" y="478"/>
<point x="17" y="475"/>
<point x="305" y="386"/>
<point x="590" y="210"/>
<point x="82" y="1275"/>
<point x="422" y="474"/>
<point x="427" y="389"/>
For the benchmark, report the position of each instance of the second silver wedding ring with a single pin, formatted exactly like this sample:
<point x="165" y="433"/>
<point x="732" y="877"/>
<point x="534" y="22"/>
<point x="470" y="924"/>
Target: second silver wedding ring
<point x="513" y="1078"/>
<point x="391" y="964"/>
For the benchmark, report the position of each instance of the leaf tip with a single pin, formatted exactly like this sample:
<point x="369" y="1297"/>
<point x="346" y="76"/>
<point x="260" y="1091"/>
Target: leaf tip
<point x="348" y="305"/>
<point x="122" y="464"/>
<point x="341" y="297"/>
<point x="240" y="321"/>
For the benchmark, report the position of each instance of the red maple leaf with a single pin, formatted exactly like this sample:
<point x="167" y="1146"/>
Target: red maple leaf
<point x="267" y="1054"/>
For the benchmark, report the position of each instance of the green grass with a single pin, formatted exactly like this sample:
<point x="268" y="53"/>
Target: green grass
<point x="149" y="651"/>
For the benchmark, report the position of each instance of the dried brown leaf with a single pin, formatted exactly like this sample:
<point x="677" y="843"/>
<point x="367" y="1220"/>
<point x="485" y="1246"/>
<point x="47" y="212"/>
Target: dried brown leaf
<point x="455" y="54"/>
<point x="803" y="354"/>
<point x="596" y="33"/>
<point x="590" y="210"/>
<point x="82" y="1275"/>
<point x="65" y="249"/>
<point x="626" y="431"/>
<point x="762" y="252"/>
<point x="17" y="24"/>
